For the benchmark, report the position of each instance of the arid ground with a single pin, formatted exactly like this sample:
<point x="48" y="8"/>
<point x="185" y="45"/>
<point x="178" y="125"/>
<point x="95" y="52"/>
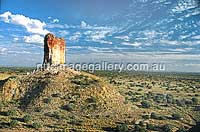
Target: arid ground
<point x="102" y="101"/>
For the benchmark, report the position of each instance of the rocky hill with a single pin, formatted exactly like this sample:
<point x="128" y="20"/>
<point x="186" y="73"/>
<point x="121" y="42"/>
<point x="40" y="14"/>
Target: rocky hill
<point x="64" y="100"/>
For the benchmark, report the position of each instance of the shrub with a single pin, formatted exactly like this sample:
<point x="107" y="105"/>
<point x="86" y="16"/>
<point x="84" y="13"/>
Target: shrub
<point x="188" y="102"/>
<point x="162" y="117"/>
<point x="152" y="127"/>
<point x="180" y="102"/>
<point x="138" y="128"/>
<point x="76" y="121"/>
<point x="145" y="104"/>
<point x="91" y="100"/>
<point x="167" y="128"/>
<point x="68" y="107"/>
<point x="122" y="128"/>
<point x="176" y="116"/>
<point x="182" y="129"/>
<point x="195" y="101"/>
<point x="56" y="95"/>
<point x="37" y="125"/>
<point x="1" y="106"/>
<point x="135" y="99"/>
<point x="141" y="123"/>
<point x="11" y="112"/>
<point x="83" y="81"/>
<point x="27" y="118"/>
<point x="92" y="106"/>
<point x="38" y="109"/>
<point x="154" y="115"/>
<point x="140" y="89"/>
<point x="13" y="123"/>
<point x="169" y="98"/>
<point x="47" y="100"/>
<point x="56" y="115"/>
<point x="145" y="116"/>
<point x="158" y="98"/>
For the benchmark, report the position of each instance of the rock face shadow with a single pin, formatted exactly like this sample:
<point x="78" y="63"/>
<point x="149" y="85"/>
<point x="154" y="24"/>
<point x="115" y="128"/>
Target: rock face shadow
<point x="31" y="95"/>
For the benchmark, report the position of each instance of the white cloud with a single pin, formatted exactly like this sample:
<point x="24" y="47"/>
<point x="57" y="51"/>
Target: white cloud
<point x="135" y="44"/>
<point x="15" y="39"/>
<point x="5" y="17"/>
<point x="3" y="50"/>
<point x="1" y="36"/>
<point x="101" y="41"/>
<point x="38" y="39"/>
<point x="169" y="42"/>
<point x="87" y="32"/>
<point x="196" y="37"/>
<point x="55" y="20"/>
<point x="98" y="36"/>
<point x="83" y="24"/>
<point x="32" y="25"/>
<point x="175" y="42"/>
<point x="55" y="25"/>
<point x="181" y="49"/>
<point x="100" y="50"/>
<point x="196" y="12"/>
<point x="75" y="47"/>
<point x="75" y="36"/>
<point x="185" y="5"/>
<point x="125" y="38"/>
<point x="150" y="34"/>
<point x="63" y="33"/>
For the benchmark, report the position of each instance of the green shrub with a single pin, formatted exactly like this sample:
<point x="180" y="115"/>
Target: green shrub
<point x="37" y="125"/>
<point x="69" y="107"/>
<point x="145" y="116"/>
<point x="47" y="100"/>
<point x="83" y="81"/>
<point x="13" y="123"/>
<point x="167" y="128"/>
<point x="141" y="123"/>
<point x="180" y="103"/>
<point x="11" y="112"/>
<point x="152" y="127"/>
<point x="169" y="98"/>
<point x="140" y="89"/>
<point x="76" y="121"/>
<point x="138" y="128"/>
<point x="176" y="116"/>
<point x="162" y="117"/>
<point x="145" y="104"/>
<point x="154" y="115"/>
<point x="122" y="128"/>
<point x="135" y="99"/>
<point x="182" y="129"/>
<point x="1" y="106"/>
<point x="38" y="109"/>
<point x="57" y="115"/>
<point x="195" y="101"/>
<point x="91" y="100"/>
<point x="56" y="95"/>
<point x="27" y="118"/>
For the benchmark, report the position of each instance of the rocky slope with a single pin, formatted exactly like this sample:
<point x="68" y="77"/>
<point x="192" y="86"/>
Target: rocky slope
<point x="66" y="100"/>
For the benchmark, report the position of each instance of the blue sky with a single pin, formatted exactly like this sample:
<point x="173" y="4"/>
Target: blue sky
<point x="151" y="31"/>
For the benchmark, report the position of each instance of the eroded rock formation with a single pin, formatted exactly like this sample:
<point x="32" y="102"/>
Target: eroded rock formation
<point x="54" y="50"/>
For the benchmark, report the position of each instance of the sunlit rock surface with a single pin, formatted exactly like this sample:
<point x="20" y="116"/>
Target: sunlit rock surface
<point x="54" y="50"/>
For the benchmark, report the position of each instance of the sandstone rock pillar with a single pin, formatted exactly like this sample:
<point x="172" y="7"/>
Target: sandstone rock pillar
<point x="54" y="50"/>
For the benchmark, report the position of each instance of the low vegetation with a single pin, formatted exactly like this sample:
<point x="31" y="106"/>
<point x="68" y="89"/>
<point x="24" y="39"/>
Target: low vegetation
<point x="105" y="101"/>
